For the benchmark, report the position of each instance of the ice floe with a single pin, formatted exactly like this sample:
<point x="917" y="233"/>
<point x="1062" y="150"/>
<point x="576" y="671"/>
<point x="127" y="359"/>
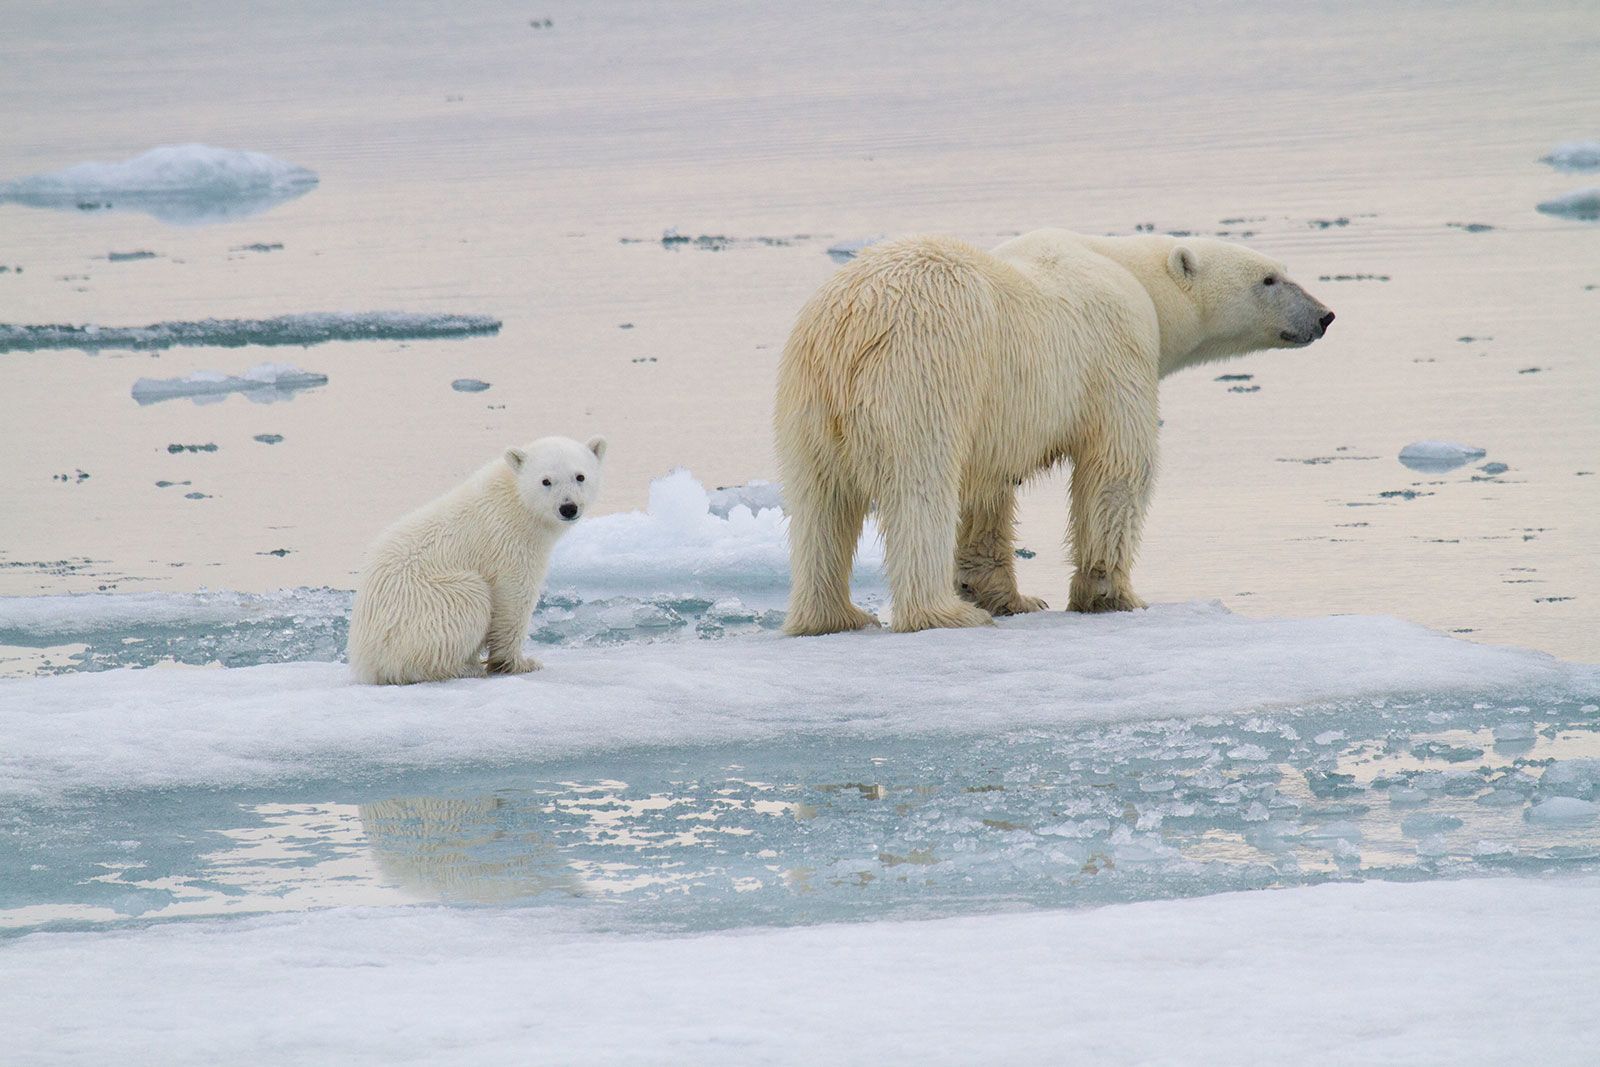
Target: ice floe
<point x="1574" y="155"/>
<point x="262" y="383"/>
<point x="1436" y="456"/>
<point x="1578" y="204"/>
<point x="306" y="328"/>
<point x="134" y="729"/>
<point x="844" y="251"/>
<point x="186" y="184"/>
<point x="1479" y="970"/>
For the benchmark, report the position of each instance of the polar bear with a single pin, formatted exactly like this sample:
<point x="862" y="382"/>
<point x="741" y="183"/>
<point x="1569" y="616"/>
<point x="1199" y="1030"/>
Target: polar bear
<point x="462" y="573"/>
<point x="931" y="377"/>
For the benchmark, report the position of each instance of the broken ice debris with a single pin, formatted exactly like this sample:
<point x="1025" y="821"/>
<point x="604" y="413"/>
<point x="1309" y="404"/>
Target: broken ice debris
<point x="307" y="328"/>
<point x="1574" y="155"/>
<point x="1578" y="204"/>
<point x="188" y="183"/>
<point x="469" y="385"/>
<point x="1435" y="456"/>
<point x="842" y="251"/>
<point x="263" y="383"/>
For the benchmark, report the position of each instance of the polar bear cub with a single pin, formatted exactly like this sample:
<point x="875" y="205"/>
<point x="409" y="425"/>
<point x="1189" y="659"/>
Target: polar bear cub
<point x="460" y="576"/>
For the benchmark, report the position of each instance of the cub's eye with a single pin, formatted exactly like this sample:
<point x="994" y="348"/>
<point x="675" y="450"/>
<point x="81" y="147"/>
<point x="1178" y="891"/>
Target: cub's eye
<point x="1269" y="280"/>
<point x="580" y="477"/>
<point x="547" y="481"/>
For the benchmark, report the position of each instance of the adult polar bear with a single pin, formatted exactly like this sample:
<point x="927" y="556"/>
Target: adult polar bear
<point x="932" y="377"/>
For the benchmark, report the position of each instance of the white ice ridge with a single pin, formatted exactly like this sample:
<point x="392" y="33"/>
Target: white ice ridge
<point x="168" y="728"/>
<point x="305" y="328"/>
<point x="264" y="381"/>
<point x="1574" y="155"/>
<point x="1477" y="971"/>
<point x="690" y="541"/>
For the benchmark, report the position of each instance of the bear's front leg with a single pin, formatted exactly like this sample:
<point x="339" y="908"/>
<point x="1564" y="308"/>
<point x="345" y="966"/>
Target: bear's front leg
<point x="511" y="606"/>
<point x="986" y="572"/>
<point x="1110" y="494"/>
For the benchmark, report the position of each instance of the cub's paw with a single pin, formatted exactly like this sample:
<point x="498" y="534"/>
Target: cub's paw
<point x="1016" y="604"/>
<point x="517" y="665"/>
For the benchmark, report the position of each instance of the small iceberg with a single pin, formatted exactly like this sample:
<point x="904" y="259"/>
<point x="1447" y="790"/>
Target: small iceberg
<point x="1436" y="456"/>
<point x="844" y="251"/>
<point x="1574" y="155"/>
<point x="1578" y="204"/>
<point x="263" y="383"/>
<point x="302" y="329"/>
<point x="184" y="184"/>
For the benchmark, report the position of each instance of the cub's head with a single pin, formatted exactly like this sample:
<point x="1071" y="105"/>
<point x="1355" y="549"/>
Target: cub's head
<point x="557" y="477"/>
<point x="1245" y="301"/>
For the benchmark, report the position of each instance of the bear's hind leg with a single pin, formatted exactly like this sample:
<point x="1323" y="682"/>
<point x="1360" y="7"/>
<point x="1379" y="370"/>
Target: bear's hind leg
<point x="1110" y="494"/>
<point x="435" y="632"/>
<point x="986" y="571"/>
<point x="919" y="531"/>
<point x="825" y="518"/>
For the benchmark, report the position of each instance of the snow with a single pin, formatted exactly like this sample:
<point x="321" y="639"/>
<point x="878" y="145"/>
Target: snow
<point x="1438" y="455"/>
<point x="684" y="542"/>
<point x="170" y="728"/>
<point x="1574" y="155"/>
<point x="1475" y="971"/>
<point x="1578" y="204"/>
<point x="184" y="183"/>
<point x="305" y="328"/>
<point x="263" y="383"/>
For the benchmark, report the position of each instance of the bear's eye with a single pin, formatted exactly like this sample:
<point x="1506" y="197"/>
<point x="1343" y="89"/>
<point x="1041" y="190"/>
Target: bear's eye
<point x="580" y="477"/>
<point x="547" y="481"/>
<point x="1269" y="280"/>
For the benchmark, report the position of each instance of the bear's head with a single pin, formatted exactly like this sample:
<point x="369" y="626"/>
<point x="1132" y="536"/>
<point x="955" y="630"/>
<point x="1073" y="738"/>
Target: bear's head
<point x="1244" y="300"/>
<point x="557" y="477"/>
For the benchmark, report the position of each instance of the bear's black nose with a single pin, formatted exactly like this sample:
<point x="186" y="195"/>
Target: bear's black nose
<point x="569" y="511"/>
<point x="1324" y="322"/>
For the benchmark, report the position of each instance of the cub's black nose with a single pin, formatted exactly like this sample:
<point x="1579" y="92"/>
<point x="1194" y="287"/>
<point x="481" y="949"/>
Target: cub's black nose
<point x="1325" y="322"/>
<point x="569" y="511"/>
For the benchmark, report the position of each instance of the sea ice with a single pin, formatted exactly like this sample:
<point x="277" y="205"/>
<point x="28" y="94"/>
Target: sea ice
<point x="1563" y="809"/>
<point x="844" y="251"/>
<point x="1436" y="456"/>
<point x="1574" y="155"/>
<point x="469" y="385"/>
<point x="757" y="496"/>
<point x="307" y="328"/>
<point x="187" y="183"/>
<point x="262" y="383"/>
<point x="1578" y="204"/>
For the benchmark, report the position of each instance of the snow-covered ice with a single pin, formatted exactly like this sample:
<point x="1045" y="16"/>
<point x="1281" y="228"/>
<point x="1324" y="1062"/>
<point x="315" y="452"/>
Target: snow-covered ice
<point x="1472" y="971"/>
<point x="1574" y="155"/>
<point x="306" y="328"/>
<point x="1436" y="456"/>
<point x="262" y="383"/>
<point x="185" y="183"/>
<point x="1578" y="204"/>
<point x="757" y="496"/>
<point x="145" y="729"/>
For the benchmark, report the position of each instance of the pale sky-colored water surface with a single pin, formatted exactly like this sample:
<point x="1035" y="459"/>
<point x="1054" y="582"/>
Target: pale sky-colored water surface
<point x="473" y="162"/>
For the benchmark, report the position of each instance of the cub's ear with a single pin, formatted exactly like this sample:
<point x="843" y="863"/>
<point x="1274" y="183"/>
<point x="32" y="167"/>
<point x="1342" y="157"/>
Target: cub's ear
<point x="597" y="445"/>
<point x="515" y="458"/>
<point x="1182" y="264"/>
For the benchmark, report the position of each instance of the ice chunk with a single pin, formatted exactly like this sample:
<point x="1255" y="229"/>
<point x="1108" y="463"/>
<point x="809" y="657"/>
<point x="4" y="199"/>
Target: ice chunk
<point x="469" y="385"/>
<point x="758" y="496"/>
<point x="1563" y="809"/>
<point x="844" y="251"/>
<point x="1574" y="155"/>
<point x="1434" y="456"/>
<point x="263" y="383"/>
<point x="306" y="328"/>
<point x="1578" y="204"/>
<point x="187" y="183"/>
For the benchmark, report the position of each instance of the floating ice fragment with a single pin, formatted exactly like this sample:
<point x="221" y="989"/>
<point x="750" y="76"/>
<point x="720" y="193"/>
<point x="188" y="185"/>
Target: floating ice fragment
<point x="263" y="382"/>
<point x="1563" y="809"/>
<point x="1574" y="155"/>
<point x="844" y="251"/>
<point x="757" y="495"/>
<point x="1494" y="468"/>
<point x="1328" y="737"/>
<point x="307" y="328"/>
<point x="1514" y="731"/>
<point x="469" y="385"/>
<point x="188" y="183"/>
<point x="1578" y="204"/>
<point x="1435" y="456"/>
<point x="1343" y="830"/>
<point x="1247" y="752"/>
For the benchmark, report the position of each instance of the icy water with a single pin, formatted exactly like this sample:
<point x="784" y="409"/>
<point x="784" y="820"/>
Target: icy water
<point x="640" y="198"/>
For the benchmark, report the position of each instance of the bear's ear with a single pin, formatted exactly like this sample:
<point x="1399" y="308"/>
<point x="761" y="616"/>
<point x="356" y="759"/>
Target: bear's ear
<point x="1182" y="264"/>
<point x="515" y="458"/>
<point x="597" y="445"/>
